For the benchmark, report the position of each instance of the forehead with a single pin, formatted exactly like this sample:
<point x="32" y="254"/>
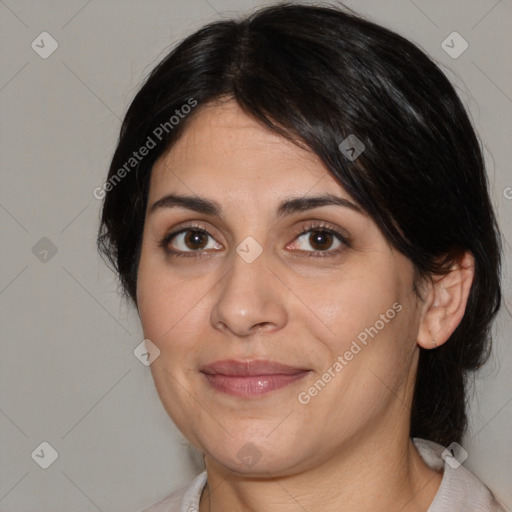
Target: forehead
<point x="223" y="152"/>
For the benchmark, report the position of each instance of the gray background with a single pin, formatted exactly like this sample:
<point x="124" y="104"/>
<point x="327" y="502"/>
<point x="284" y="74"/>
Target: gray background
<point x="68" y="375"/>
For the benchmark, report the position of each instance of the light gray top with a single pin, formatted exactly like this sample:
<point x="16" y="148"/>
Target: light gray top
<point x="460" y="490"/>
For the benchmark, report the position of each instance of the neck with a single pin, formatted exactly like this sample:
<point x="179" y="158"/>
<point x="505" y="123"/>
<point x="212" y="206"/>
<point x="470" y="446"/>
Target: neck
<point x="384" y="474"/>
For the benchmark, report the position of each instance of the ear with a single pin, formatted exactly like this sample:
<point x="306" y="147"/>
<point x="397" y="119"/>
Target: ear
<point x="445" y="303"/>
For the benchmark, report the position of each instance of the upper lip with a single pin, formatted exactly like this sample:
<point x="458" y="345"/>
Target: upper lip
<point x="249" y="367"/>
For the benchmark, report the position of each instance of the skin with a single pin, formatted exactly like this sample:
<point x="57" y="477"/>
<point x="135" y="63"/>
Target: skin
<point x="348" y="449"/>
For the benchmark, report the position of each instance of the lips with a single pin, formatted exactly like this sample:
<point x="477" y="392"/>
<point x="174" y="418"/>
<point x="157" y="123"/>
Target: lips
<point x="249" y="367"/>
<point x="250" y="378"/>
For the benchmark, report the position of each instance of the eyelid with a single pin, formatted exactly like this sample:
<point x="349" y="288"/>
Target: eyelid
<point x="322" y="226"/>
<point x="187" y="226"/>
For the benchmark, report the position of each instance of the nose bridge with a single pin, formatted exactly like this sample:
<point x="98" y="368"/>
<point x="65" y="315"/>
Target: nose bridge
<point x="249" y="298"/>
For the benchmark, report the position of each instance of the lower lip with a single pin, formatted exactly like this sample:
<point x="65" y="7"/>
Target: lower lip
<point x="253" y="385"/>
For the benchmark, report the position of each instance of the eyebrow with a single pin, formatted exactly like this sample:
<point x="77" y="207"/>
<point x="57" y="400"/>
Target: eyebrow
<point x="287" y="207"/>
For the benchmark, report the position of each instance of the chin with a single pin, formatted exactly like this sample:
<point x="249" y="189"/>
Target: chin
<point x="248" y="458"/>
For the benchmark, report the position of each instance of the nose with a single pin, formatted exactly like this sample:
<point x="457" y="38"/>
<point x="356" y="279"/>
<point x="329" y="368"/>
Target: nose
<point x="251" y="299"/>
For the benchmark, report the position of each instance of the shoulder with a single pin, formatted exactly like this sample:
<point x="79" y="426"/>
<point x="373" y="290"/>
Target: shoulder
<point x="460" y="490"/>
<point x="185" y="499"/>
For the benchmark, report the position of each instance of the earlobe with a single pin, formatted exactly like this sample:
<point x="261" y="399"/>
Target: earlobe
<point x="446" y="302"/>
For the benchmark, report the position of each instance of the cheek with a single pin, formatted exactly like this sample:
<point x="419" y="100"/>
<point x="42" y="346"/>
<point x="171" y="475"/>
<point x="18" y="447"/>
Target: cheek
<point x="369" y="339"/>
<point x="159" y="309"/>
<point x="352" y="305"/>
<point x="152" y="303"/>
<point x="171" y="308"/>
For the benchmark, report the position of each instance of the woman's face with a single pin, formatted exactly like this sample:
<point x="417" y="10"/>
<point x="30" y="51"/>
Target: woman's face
<point x="260" y="270"/>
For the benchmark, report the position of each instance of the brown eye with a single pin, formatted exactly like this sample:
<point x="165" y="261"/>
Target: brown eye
<point x="318" y="240"/>
<point x="195" y="239"/>
<point x="190" y="241"/>
<point x="321" y="240"/>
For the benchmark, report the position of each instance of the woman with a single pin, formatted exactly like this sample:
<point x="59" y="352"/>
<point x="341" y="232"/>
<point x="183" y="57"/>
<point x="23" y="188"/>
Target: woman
<point x="298" y="208"/>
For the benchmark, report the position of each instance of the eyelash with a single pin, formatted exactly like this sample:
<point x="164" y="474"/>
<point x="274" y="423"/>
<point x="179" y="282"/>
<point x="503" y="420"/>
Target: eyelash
<point x="313" y="226"/>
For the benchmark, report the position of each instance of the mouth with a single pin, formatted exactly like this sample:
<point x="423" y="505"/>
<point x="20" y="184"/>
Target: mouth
<point x="250" y="378"/>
